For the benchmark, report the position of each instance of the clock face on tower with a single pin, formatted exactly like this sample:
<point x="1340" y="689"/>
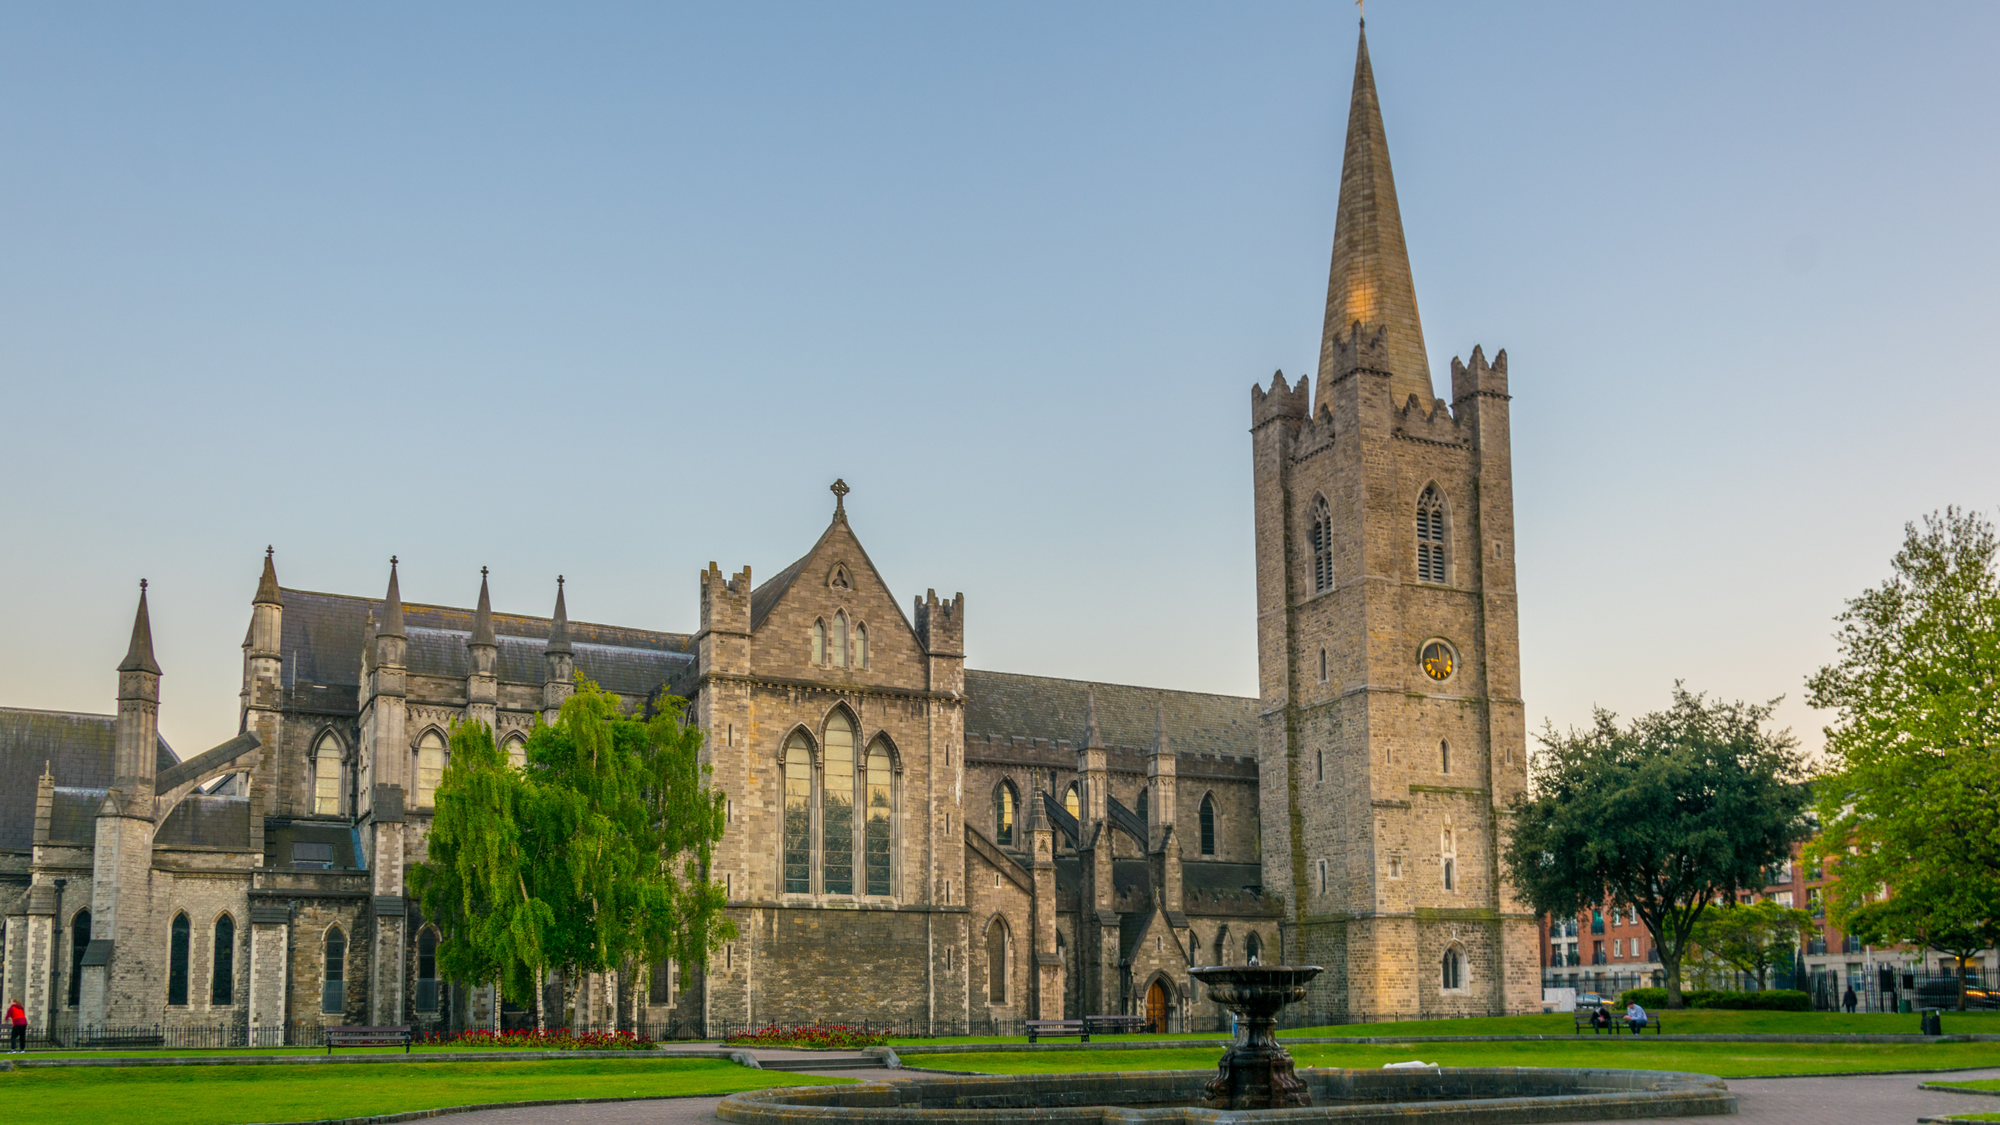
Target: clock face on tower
<point x="1438" y="661"/>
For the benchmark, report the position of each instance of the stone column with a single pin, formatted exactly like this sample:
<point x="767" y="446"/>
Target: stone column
<point x="270" y="973"/>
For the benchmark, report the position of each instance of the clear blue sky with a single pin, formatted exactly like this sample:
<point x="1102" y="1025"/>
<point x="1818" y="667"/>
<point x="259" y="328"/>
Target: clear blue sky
<point x="613" y="291"/>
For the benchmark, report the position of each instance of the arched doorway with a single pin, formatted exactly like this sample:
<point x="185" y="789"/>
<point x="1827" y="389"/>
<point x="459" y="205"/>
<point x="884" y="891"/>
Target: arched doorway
<point x="1156" y="1008"/>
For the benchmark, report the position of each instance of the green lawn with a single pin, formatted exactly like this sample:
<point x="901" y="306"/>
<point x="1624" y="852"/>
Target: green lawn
<point x="1723" y="1059"/>
<point x="1992" y="1084"/>
<point x="1692" y="1022"/>
<point x="233" y="1095"/>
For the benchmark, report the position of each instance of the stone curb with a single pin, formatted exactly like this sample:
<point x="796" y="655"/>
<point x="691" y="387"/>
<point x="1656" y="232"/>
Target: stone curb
<point x="349" y="1060"/>
<point x="421" y="1114"/>
<point x="1958" y="1090"/>
<point x="1379" y="1040"/>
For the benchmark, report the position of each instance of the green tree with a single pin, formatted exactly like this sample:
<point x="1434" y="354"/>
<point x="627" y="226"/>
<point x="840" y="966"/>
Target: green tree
<point x="1912" y="801"/>
<point x="593" y="856"/>
<point x="1670" y="813"/>
<point x="1752" y="938"/>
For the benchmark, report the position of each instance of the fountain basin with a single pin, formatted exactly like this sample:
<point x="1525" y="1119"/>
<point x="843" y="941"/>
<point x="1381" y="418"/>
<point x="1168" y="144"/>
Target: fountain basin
<point x="1438" y="1096"/>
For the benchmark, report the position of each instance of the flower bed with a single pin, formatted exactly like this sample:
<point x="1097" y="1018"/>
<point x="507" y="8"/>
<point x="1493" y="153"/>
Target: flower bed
<point x="836" y="1036"/>
<point x="554" y="1039"/>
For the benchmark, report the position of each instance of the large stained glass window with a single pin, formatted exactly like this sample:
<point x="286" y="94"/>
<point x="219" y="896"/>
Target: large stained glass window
<point x="798" y="816"/>
<point x="837" y="803"/>
<point x="876" y="837"/>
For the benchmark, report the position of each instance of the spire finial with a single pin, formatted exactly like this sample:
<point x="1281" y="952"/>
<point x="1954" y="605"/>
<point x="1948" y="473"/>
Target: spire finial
<point x="559" y="624"/>
<point x="392" y="605"/>
<point x="1361" y="12"/>
<point x="267" y="583"/>
<point x="139" y="654"/>
<point x="482" y="617"/>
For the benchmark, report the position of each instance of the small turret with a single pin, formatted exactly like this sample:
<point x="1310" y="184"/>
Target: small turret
<point x="482" y="686"/>
<point x="138" y="724"/>
<point x="389" y="642"/>
<point x="558" y="663"/>
<point x="263" y="658"/>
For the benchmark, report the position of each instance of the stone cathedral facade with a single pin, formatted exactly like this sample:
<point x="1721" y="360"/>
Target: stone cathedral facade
<point x="909" y="841"/>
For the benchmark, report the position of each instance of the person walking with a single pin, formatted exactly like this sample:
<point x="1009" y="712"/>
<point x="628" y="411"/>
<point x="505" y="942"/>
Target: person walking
<point x="17" y="1020"/>
<point x="1847" y="1000"/>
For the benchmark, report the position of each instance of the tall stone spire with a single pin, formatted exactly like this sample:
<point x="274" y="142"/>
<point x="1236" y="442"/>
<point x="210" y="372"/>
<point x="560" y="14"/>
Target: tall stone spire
<point x="267" y="586"/>
<point x="558" y="664"/>
<point x="1370" y="281"/>
<point x="559" y="626"/>
<point x="392" y="606"/>
<point x="482" y="617"/>
<point x="139" y="655"/>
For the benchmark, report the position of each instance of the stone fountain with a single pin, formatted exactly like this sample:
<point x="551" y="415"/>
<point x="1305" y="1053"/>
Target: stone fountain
<point x="1256" y="1071"/>
<point x="1256" y="1083"/>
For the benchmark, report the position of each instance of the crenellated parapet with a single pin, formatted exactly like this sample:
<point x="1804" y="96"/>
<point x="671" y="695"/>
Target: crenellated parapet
<point x="1362" y="347"/>
<point x="1281" y="401"/>
<point x="1479" y="377"/>
<point x="725" y="603"/>
<point x="941" y="624"/>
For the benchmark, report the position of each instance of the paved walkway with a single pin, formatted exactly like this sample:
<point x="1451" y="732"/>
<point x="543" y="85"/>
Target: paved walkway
<point x="1876" y="1099"/>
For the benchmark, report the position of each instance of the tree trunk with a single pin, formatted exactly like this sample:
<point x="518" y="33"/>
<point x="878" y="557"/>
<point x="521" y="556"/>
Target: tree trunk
<point x="1671" y="962"/>
<point x="541" y="1000"/>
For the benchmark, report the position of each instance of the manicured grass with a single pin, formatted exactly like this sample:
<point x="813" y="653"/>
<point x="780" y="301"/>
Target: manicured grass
<point x="1974" y="1117"/>
<point x="1992" y="1084"/>
<point x="1723" y="1059"/>
<point x="233" y="1095"/>
<point x="339" y="1052"/>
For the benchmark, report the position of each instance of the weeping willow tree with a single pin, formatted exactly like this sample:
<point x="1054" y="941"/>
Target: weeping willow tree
<point x="593" y="855"/>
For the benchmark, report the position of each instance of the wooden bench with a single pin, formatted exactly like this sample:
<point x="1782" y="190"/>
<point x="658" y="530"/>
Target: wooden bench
<point x="1106" y="1025"/>
<point x="367" y="1037"/>
<point x="1581" y="1018"/>
<point x="1056" y="1029"/>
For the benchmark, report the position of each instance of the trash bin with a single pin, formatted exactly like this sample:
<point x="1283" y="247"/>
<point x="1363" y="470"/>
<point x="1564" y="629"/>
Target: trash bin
<point x="1903" y="1007"/>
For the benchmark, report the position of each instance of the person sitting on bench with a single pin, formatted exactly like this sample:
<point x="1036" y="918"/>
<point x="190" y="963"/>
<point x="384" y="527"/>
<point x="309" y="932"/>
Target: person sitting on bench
<point x="1635" y="1017"/>
<point x="1600" y="1019"/>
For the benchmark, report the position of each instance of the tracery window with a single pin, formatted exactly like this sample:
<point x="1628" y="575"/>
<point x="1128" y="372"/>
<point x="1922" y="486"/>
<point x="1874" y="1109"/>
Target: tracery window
<point x="798" y="815"/>
<point x="326" y="776"/>
<point x="177" y="962"/>
<point x="1208" y="824"/>
<point x="222" y="983"/>
<point x="516" y="749"/>
<point x="837" y="800"/>
<point x="430" y="767"/>
<point x="1006" y="802"/>
<point x="826" y="847"/>
<point x="1431" y="560"/>
<point x="877" y="836"/>
<point x="1321" y="539"/>
<point x="1452" y="976"/>
<point x="333" y="973"/>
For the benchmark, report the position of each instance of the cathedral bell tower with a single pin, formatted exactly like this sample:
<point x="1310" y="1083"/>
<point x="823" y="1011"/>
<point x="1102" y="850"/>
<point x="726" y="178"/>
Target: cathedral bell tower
<point x="1392" y="735"/>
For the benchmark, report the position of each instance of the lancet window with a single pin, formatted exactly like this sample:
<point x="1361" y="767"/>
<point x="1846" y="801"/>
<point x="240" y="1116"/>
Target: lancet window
<point x="1431" y="560"/>
<point x="326" y="776"/>
<point x="1321" y="540"/>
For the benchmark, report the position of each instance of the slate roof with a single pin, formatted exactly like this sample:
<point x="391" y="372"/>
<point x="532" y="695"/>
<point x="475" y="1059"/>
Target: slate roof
<point x="766" y="596"/>
<point x="80" y="750"/>
<point x="323" y="636"/>
<point x="1008" y="704"/>
<point x="203" y="821"/>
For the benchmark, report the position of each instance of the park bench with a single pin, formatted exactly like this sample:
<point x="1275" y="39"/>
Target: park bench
<point x="1102" y="1025"/>
<point x="1056" y="1029"/>
<point x="367" y="1037"/>
<point x="1580" y="1019"/>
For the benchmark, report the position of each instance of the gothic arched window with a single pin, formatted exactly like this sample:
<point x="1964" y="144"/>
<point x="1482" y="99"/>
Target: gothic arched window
<point x="837" y="801"/>
<point x="222" y="983"/>
<point x="1072" y="804"/>
<point x="1208" y="824"/>
<point x="1253" y="950"/>
<point x="516" y="749"/>
<point x="798" y="815"/>
<point x="996" y="962"/>
<point x="1006" y="804"/>
<point x="819" y="642"/>
<point x="1322" y="546"/>
<point x="1431" y="559"/>
<point x="877" y="832"/>
<point x="427" y="971"/>
<point x="1449" y="853"/>
<point x="840" y="640"/>
<point x="430" y="767"/>
<point x="79" y="942"/>
<point x="326" y="776"/>
<point x="333" y="973"/>
<point x="177" y="963"/>
<point x="1452" y="974"/>
<point x="860" y="646"/>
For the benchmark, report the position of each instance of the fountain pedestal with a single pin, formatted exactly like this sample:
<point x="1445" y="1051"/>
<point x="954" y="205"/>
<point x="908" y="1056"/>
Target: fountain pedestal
<point x="1256" y="1073"/>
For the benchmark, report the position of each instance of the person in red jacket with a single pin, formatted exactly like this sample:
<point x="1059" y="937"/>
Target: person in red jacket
<point x="17" y="1019"/>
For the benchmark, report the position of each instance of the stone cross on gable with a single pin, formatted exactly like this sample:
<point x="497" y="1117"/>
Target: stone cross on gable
<point x="840" y="490"/>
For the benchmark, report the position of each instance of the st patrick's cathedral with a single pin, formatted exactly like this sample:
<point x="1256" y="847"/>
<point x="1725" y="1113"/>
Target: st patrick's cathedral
<point x="910" y="841"/>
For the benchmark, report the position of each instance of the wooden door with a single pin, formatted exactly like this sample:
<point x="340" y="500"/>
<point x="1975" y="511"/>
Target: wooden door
<point x="1156" y="1008"/>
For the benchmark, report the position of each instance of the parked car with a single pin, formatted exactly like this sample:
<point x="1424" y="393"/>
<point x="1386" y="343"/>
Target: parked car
<point x="1943" y="993"/>
<point x="1593" y="1000"/>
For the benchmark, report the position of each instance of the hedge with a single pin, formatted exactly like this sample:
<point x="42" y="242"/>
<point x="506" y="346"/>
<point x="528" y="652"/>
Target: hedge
<point x="1770" y="1000"/>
